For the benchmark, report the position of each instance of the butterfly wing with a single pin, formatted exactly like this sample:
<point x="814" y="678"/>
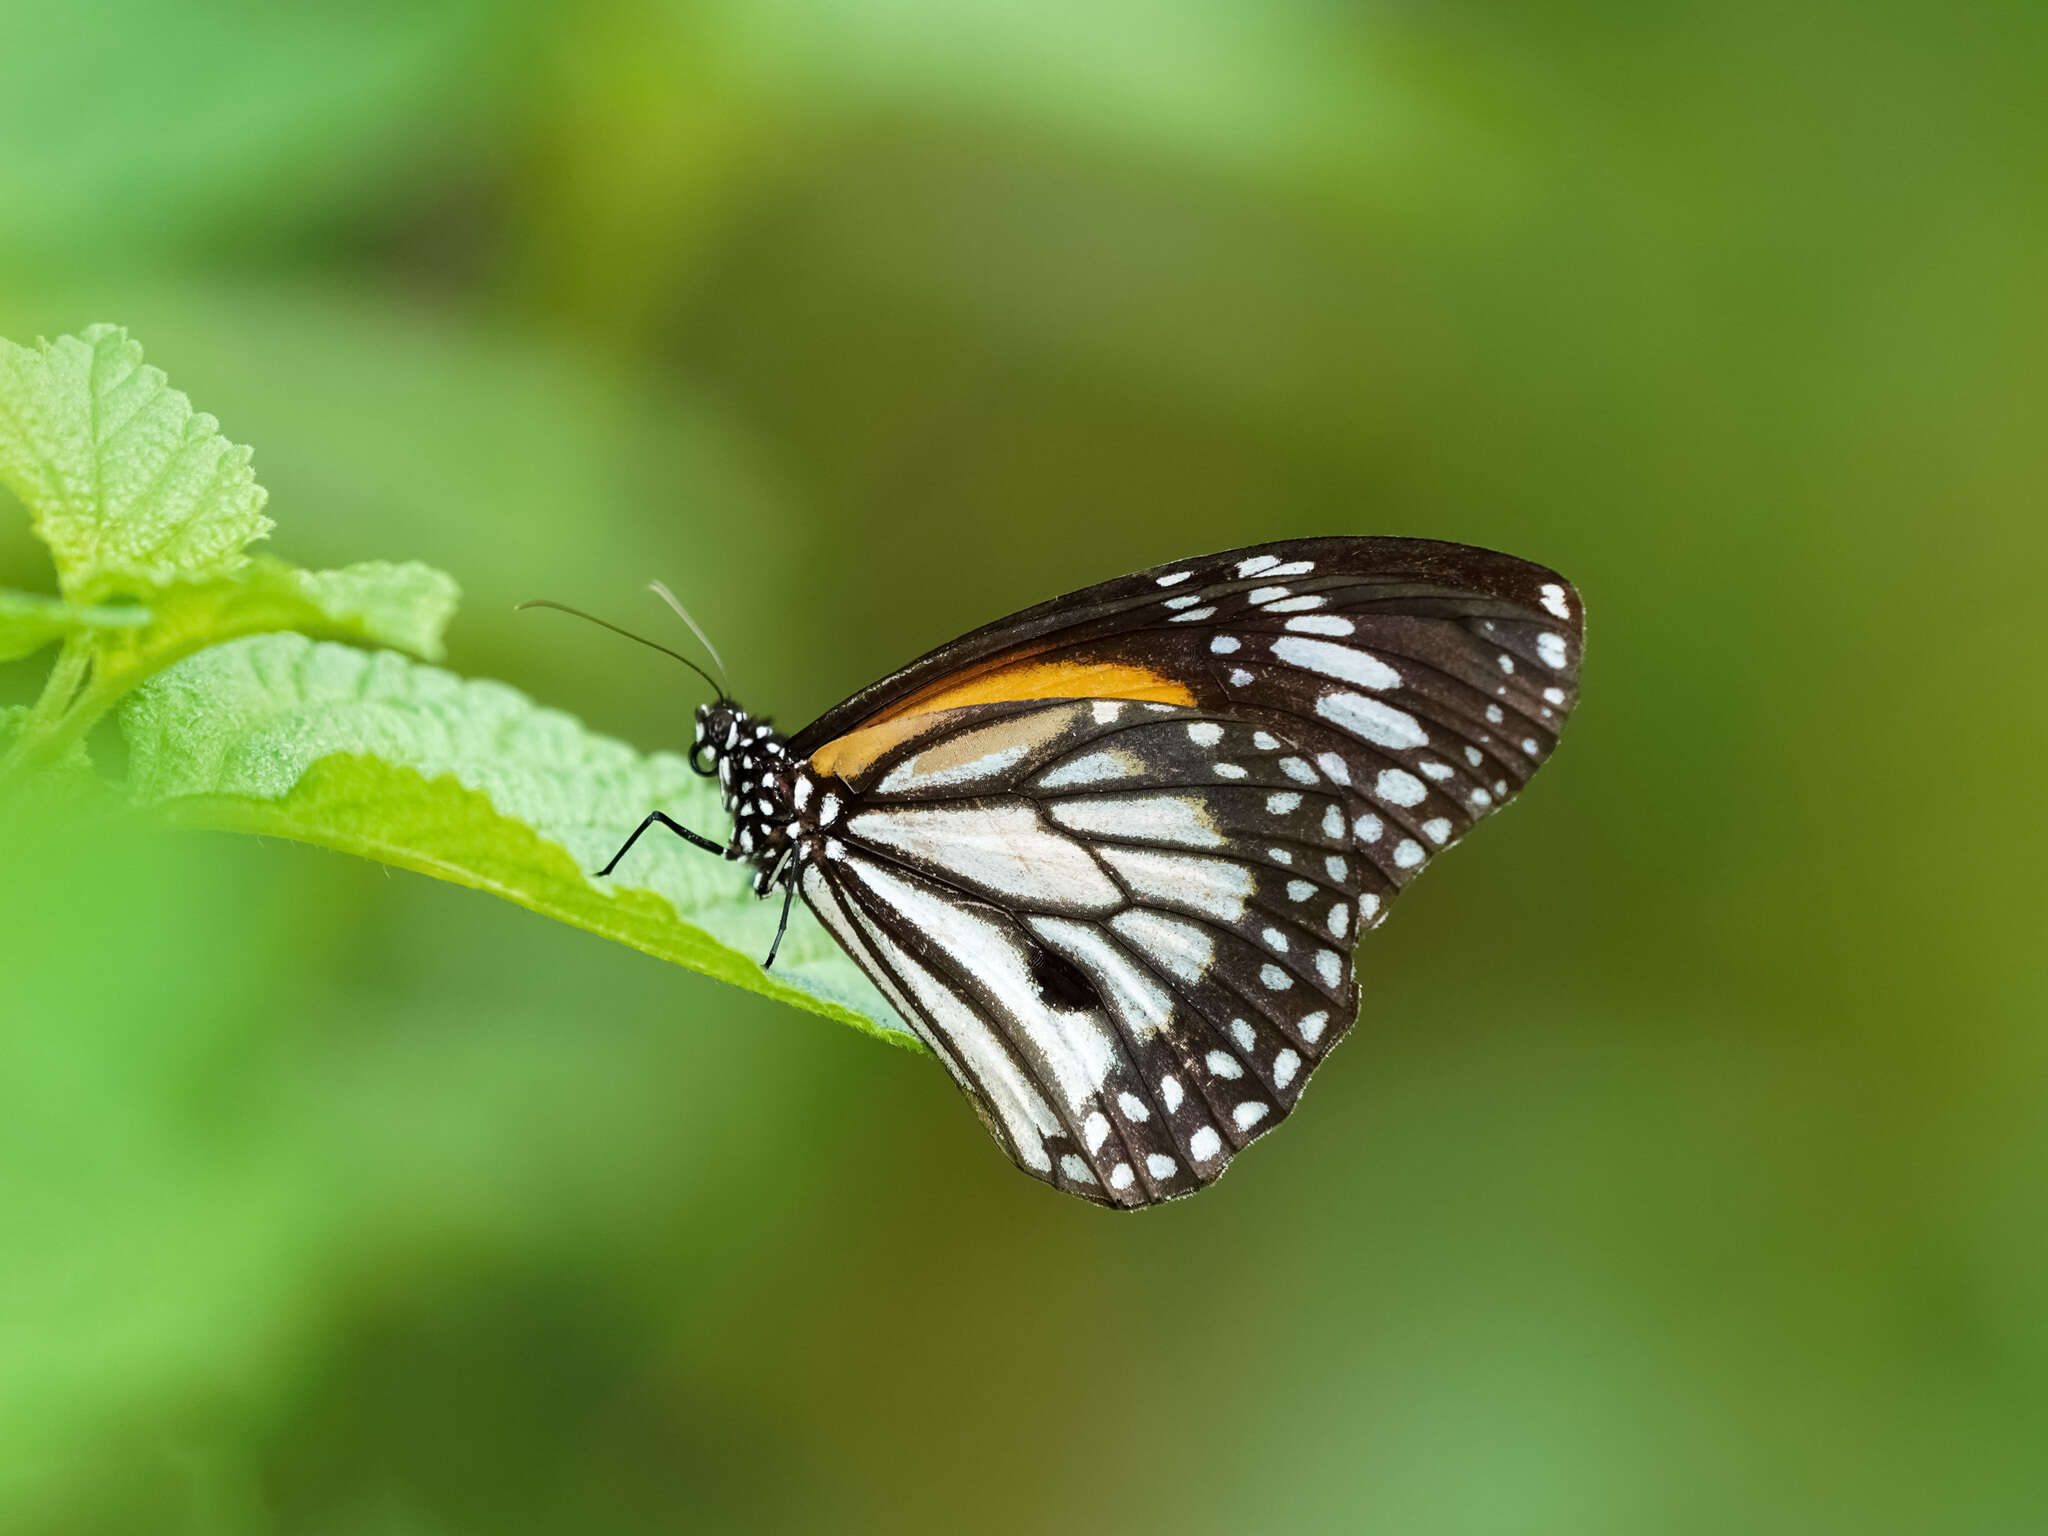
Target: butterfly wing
<point x="1109" y="856"/>
<point x="1124" y="927"/>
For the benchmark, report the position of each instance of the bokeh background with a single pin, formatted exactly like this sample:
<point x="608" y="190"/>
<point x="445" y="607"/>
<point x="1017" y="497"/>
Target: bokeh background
<point x="1686" y="1174"/>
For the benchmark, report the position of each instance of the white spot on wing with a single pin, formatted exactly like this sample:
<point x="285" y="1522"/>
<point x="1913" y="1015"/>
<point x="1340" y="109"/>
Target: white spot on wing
<point x="1256" y="564"/>
<point x="1550" y="650"/>
<point x="1223" y="1064"/>
<point x="1398" y="788"/>
<point x="1193" y="616"/>
<point x="1095" y="1130"/>
<point x="1367" y="828"/>
<point x="1297" y="604"/>
<point x="1094" y="768"/>
<point x="1003" y="848"/>
<point x="1249" y="1114"/>
<point x="1134" y="1108"/>
<point x="1300" y="890"/>
<point x="1205" y="733"/>
<point x="1408" y="853"/>
<point x="1170" y="1093"/>
<point x="1283" y="801"/>
<point x="1276" y="980"/>
<point x="1343" y="662"/>
<point x="1554" y="600"/>
<point x="1176" y="819"/>
<point x="1181" y="947"/>
<point x="1173" y="578"/>
<point x="1216" y="888"/>
<point x="1188" y="601"/>
<point x="1437" y="829"/>
<point x="1241" y="1032"/>
<point x="1120" y="1176"/>
<point x="1285" y="1065"/>
<point x="1072" y="1166"/>
<point x="1312" y="1027"/>
<point x="1160" y="1166"/>
<point x="1223" y="645"/>
<point x="1320" y="624"/>
<point x="1228" y="771"/>
<point x="1329" y="966"/>
<point x="1107" y="711"/>
<point x="1205" y="1144"/>
<point x="1372" y="720"/>
<point x="1262" y="595"/>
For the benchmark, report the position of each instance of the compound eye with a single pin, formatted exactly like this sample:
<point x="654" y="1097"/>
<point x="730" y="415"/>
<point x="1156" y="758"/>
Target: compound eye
<point x="703" y="760"/>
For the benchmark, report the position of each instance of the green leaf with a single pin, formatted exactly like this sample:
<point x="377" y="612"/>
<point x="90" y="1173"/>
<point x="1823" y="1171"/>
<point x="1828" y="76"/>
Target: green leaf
<point x="471" y="782"/>
<point x="376" y="603"/>
<point x="126" y="483"/>
<point x="405" y="605"/>
<point x="30" y="621"/>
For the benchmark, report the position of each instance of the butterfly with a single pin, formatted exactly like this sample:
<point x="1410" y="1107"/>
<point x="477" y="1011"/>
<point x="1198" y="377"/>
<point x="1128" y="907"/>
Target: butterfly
<point x="1109" y="856"/>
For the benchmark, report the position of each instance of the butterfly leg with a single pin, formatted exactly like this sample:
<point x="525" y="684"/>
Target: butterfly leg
<point x="789" y="895"/>
<point x="674" y="826"/>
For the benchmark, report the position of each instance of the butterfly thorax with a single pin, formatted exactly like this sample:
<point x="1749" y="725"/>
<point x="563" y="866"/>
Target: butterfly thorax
<point x="756" y="779"/>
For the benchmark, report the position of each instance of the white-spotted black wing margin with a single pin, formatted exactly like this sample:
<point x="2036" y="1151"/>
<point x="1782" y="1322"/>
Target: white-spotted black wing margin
<point x="1125" y="928"/>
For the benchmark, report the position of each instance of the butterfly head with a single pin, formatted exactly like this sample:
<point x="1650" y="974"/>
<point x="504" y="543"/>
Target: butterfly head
<point x="755" y="775"/>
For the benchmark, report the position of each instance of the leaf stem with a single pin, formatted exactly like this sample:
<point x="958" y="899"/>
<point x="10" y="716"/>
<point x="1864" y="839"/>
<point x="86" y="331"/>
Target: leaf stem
<point x="47" y="719"/>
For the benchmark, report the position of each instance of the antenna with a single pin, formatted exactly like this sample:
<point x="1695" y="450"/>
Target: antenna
<point x="703" y="639"/>
<point x="542" y="602"/>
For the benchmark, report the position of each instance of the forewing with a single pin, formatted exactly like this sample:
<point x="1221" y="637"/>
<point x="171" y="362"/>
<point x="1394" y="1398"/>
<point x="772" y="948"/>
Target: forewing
<point x="1158" y="619"/>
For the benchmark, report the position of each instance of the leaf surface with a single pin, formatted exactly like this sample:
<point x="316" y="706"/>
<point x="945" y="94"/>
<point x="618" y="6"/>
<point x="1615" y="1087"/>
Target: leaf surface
<point x="128" y="485"/>
<point x="375" y="755"/>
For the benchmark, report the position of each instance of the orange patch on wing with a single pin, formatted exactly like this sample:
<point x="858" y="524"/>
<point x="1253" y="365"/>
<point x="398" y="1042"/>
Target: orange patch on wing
<point x="850" y="755"/>
<point x="853" y="753"/>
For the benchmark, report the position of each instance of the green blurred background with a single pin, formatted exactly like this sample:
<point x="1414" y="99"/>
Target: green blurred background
<point x="1686" y="1172"/>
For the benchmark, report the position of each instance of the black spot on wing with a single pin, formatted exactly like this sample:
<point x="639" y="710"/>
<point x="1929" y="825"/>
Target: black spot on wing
<point x="1061" y="983"/>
